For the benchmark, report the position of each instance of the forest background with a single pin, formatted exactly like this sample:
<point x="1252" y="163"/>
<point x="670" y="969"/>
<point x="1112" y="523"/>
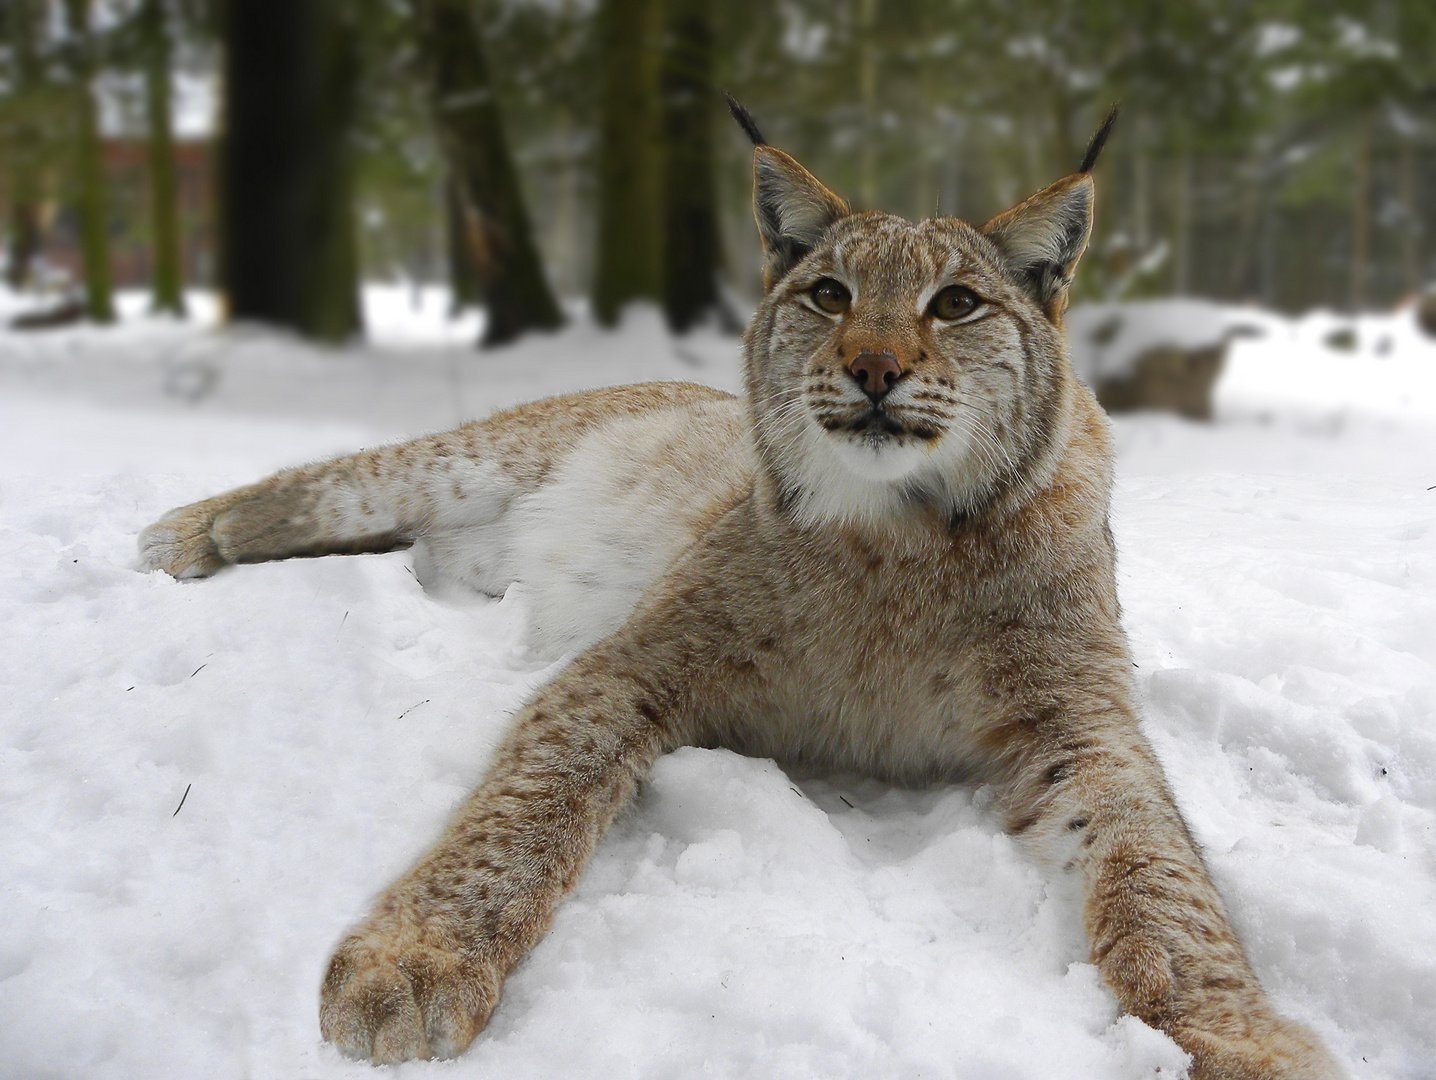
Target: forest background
<point x="1277" y="152"/>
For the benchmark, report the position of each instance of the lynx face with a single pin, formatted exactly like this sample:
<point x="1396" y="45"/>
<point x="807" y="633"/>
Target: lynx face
<point x="897" y="364"/>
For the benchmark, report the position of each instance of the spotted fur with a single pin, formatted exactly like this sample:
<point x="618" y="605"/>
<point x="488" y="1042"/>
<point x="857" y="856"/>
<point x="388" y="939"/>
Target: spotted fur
<point x="915" y="583"/>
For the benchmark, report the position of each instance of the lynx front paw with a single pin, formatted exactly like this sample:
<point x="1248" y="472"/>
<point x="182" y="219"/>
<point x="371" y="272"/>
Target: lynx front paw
<point x="390" y="996"/>
<point x="181" y="544"/>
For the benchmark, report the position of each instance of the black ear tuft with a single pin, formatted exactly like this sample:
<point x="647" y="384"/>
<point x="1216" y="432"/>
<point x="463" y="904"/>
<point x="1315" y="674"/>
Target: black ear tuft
<point x="745" y="120"/>
<point x="1099" y="140"/>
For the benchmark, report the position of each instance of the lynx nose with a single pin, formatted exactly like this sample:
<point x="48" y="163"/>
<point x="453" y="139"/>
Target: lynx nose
<point x="876" y="373"/>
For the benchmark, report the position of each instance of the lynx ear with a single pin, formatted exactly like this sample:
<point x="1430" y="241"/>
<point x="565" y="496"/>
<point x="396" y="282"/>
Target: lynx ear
<point x="1042" y="239"/>
<point x="792" y="208"/>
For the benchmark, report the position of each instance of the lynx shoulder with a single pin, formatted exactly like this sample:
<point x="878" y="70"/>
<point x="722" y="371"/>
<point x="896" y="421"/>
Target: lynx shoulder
<point x="890" y="556"/>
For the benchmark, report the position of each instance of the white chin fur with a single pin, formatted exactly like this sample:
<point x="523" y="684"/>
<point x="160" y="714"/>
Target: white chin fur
<point x="883" y="461"/>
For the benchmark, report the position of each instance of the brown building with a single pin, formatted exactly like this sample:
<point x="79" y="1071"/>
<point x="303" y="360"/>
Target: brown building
<point x="126" y="162"/>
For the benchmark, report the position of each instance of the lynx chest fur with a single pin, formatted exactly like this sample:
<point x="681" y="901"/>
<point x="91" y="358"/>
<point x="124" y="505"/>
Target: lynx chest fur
<point x="890" y="556"/>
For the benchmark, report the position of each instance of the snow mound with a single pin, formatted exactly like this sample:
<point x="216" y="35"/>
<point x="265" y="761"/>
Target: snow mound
<point x="1106" y="340"/>
<point x="203" y="783"/>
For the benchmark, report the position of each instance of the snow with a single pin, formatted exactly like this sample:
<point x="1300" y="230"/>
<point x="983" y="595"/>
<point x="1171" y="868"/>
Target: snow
<point x="194" y="104"/>
<point x="1321" y="366"/>
<point x="203" y="783"/>
<point x="1105" y="340"/>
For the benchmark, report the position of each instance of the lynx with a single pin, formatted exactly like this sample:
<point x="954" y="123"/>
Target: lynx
<point x="891" y="556"/>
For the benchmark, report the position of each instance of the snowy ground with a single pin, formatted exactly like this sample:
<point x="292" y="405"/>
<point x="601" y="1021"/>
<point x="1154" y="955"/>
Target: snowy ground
<point x="1279" y="574"/>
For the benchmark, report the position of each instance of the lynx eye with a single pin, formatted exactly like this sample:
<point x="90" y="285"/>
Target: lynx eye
<point x="954" y="302"/>
<point x="831" y="296"/>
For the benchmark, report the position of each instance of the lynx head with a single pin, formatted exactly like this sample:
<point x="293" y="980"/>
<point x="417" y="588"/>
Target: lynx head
<point x="895" y="364"/>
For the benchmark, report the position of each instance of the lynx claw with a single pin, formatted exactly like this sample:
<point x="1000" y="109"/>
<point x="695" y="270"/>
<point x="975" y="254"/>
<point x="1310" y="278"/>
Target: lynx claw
<point x="388" y="1003"/>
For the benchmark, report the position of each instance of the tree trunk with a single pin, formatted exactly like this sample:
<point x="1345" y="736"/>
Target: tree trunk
<point x="1066" y="155"/>
<point x="926" y="194"/>
<point x="1182" y="223"/>
<point x="89" y="169"/>
<point x="24" y="233"/>
<point x="464" y="290"/>
<point x="1141" y="188"/>
<point x="288" y="250"/>
<point x="1361" y="214"/>
<point x="566" y="243"/>
<point x="868" y="88"/>
<point x="1411" y="223"/>
<point x="628" y="214"/>
<point x="690" y="213"/>
<point x="19" y="24"/>
<point x="1238" y="285"/>
<point x="489" y="208"/>
<point x="164" y="197"/>
<point x="1270" y="223"/>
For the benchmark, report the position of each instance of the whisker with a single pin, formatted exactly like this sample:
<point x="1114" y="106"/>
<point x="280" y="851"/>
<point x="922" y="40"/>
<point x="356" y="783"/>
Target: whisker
<point x="980" y="446"/>
<point x="980" y="428"/>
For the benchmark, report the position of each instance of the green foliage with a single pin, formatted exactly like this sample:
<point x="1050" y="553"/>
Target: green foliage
<point x="1260" y="139"/>
<point x="398" y="168"/>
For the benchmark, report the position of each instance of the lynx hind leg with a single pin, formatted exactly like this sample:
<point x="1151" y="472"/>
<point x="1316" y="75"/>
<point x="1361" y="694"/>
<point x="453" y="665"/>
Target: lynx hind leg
<point x="377" y="500"/>
<point x="438" y="486"/>
<point x="336" y="508"/>
<point x="1096" y="803"/>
